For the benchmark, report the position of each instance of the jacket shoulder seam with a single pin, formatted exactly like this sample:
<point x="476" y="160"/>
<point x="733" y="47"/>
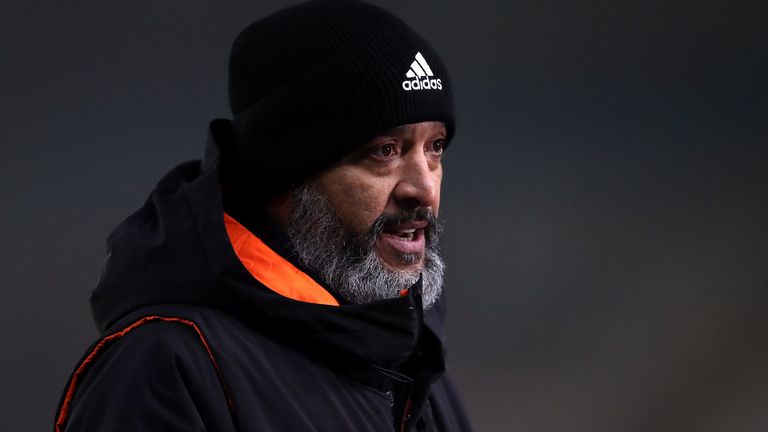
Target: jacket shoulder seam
<point x="106" y="341"/>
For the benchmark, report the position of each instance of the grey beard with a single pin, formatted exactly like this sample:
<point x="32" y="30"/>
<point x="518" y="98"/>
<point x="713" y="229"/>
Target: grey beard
<point x="349" y="264"/>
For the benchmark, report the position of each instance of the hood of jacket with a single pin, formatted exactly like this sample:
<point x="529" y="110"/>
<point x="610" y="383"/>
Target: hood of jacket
<point x="175" y="249"/>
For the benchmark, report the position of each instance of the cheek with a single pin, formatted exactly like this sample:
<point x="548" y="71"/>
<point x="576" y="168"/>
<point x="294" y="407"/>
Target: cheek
<point x="438" y="183"/>
<point x="357" y="200"/>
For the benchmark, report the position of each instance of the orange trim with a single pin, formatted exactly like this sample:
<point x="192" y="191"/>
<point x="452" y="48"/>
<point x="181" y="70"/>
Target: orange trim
<point x="104" y="342"/>
<point x="272" y="270"/>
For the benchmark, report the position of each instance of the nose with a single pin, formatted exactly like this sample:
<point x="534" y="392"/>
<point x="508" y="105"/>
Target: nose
<point x="419" y="183"/>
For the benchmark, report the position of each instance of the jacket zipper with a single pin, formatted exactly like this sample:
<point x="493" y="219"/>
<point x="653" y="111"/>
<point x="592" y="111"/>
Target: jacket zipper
<point x="406" y="414"/>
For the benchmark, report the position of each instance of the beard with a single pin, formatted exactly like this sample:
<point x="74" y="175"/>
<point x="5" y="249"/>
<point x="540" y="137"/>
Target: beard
<point x="349" y="264"/>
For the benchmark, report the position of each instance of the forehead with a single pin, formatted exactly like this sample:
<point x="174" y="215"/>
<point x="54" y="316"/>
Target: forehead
<point x="426" y="127"/>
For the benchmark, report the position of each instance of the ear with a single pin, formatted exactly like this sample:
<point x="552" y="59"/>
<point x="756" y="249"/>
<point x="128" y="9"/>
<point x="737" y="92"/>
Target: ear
<point x="280" y="209"/>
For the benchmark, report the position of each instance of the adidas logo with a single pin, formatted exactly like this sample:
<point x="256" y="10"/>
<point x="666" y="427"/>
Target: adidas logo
<point x="420" y="76"/>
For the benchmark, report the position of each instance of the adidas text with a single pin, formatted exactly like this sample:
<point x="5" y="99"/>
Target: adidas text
<point x="424" y="84"/>
<point x="420" y="76"/>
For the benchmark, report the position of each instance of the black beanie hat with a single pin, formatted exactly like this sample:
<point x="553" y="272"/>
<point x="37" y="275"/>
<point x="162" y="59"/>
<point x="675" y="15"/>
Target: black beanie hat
<point x="312" y="82"/>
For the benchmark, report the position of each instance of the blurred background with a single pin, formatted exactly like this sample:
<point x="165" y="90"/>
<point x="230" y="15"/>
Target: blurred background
<point x="606" y="198"/>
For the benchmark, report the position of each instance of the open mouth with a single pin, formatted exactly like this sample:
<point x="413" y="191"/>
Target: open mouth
<point x="405" y="238"/>
<point x="407" y="235"/>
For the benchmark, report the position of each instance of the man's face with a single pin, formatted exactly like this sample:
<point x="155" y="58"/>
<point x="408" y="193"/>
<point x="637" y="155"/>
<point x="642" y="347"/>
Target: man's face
<point x="368" y="226"/>
<point x="396" y="175"/>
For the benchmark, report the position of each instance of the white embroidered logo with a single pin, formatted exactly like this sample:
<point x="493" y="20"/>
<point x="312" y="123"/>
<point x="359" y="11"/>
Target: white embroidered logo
<point x="420" y="76"/>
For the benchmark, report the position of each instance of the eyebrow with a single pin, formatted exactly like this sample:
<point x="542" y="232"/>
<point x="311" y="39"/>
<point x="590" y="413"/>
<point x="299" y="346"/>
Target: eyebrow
<point x="398" y="130"/>
<point x="394" y="131"/>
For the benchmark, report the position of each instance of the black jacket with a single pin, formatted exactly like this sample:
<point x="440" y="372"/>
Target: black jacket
<point x="192" y="342"/>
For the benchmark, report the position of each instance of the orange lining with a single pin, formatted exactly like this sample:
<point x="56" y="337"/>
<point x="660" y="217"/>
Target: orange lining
<point x="272" y="270"/>
<point x="81" y="369"/>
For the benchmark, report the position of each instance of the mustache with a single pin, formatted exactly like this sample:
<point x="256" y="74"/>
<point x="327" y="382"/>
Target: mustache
<point x="433" y="229"/>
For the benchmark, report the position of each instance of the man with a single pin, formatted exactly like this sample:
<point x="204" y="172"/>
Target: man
<point x="289" y="281"/>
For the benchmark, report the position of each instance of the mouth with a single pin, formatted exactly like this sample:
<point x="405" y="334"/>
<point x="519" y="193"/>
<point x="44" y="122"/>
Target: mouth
<point x="403" y="240"/>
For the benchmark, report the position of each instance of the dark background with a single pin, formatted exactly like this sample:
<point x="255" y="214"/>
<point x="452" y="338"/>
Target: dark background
<point x="606" y="197"/>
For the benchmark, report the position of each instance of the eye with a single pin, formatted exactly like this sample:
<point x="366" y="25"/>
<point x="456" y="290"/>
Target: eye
<point x="384" y="151"/>
<point x="437" y="146"/>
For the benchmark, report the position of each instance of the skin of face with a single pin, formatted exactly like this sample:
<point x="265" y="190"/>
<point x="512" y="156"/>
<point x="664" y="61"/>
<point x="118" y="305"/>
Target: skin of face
<point x="399" y="170"/>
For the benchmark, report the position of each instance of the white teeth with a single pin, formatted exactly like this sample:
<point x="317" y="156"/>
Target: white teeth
<point x="407" y="234"/>
<point x="404" y="234"/>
